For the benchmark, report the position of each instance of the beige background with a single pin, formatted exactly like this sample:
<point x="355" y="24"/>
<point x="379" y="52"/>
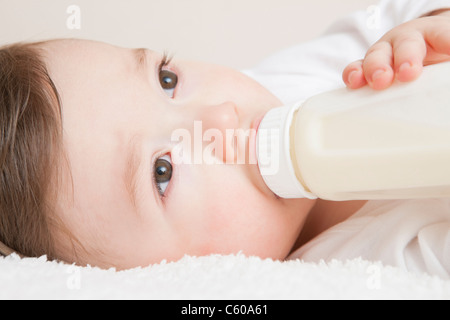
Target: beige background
<point x="237" y="33"/>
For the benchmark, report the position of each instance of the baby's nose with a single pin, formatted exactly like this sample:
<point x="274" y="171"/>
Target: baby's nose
<point x="220" y="117"/>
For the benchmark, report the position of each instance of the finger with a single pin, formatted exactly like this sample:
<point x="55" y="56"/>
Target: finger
<point x="438" y="37"/>
<point x="410" y="51"/>
<point x="377" y="66"/>
<point x="353" y="75"/>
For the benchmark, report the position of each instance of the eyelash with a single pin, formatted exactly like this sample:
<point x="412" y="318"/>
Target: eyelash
<point x="165" y="61"/>
<point x="168" y="78"/>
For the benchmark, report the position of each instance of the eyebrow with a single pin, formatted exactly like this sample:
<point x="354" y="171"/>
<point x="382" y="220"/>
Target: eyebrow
<point x="132" y="167"/>
<point x="140" y="56"/>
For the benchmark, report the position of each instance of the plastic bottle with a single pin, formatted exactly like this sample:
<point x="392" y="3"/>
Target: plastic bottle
<point x="362" y="144"/>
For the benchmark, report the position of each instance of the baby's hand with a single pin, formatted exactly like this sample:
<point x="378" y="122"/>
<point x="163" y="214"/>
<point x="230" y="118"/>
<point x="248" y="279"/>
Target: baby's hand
<point x="402" y="52"/>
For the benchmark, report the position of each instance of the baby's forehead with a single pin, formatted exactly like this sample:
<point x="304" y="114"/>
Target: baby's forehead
<point x="67" y="46"/>
<point x="71" y="43"/>
<point x="65" y="51"/>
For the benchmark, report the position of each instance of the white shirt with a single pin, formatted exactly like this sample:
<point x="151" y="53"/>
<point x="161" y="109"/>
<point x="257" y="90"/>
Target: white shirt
<point x="410" y="234"/>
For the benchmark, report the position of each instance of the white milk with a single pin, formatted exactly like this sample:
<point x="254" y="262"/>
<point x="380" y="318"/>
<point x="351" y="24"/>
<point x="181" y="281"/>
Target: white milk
<point x="362" y="144"/>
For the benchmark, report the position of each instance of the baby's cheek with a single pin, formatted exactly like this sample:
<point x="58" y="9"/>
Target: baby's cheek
<point x="241" y="219"/>
<point x="222" y="212"/>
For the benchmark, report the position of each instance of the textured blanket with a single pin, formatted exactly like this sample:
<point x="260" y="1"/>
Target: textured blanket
<point x="217" y="277"/>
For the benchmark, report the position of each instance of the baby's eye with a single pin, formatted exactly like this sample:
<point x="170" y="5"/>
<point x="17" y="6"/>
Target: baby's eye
<point x="162" y="173"/>
<point x="168" y="81"/>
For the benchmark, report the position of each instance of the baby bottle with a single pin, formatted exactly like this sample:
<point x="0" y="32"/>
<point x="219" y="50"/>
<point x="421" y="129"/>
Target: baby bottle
<point x="362" y="144"/>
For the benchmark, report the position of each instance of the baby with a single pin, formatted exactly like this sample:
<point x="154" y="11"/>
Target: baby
<point x="87" y="149"/>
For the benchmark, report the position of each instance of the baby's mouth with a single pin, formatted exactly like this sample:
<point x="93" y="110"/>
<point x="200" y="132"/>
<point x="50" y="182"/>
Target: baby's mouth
<point x="252" y="151"/>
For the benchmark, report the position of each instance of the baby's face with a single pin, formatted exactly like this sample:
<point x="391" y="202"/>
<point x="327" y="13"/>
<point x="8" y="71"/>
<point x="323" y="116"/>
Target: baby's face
<point x="126" y="200"/>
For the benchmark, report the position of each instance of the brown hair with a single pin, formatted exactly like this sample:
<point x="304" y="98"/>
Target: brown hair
<point x="30" y="145"/>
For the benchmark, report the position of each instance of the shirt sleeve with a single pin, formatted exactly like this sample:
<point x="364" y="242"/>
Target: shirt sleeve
<point x="400" y="11"/>
<point x="307" y="69"/>
<point x="370" y="25"/>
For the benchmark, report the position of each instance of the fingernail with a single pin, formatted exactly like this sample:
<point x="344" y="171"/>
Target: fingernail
<point x="352" y="75"/>
<point x="404" y="66"/>
<point x="378" y="74"/>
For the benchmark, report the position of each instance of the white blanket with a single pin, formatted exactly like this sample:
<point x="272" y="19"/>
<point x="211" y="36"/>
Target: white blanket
<point x="217" y="277"/>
